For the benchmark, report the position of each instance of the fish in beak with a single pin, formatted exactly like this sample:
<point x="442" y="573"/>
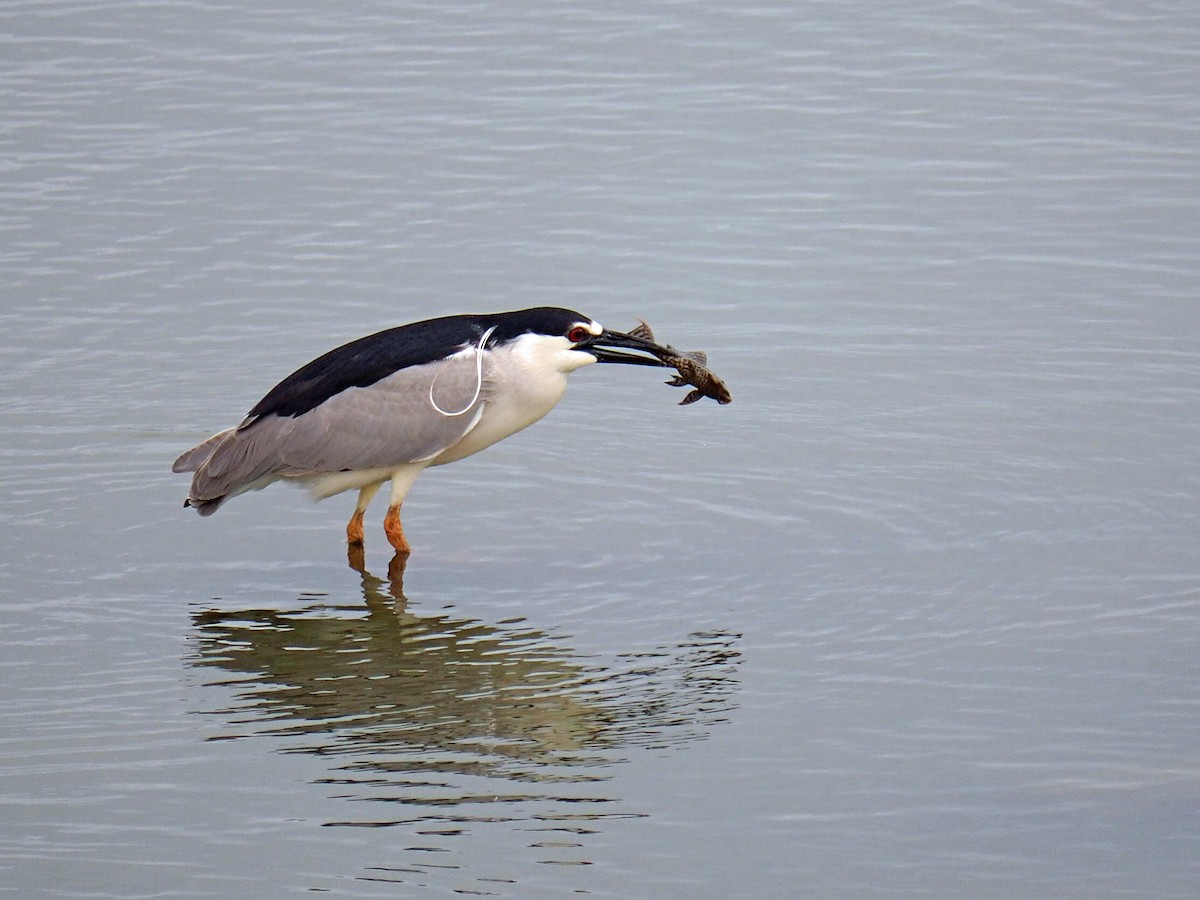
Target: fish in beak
<point x="692" y="365"/>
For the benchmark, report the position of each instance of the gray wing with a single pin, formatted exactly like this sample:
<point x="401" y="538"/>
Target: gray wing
<point x="410" y="416"/>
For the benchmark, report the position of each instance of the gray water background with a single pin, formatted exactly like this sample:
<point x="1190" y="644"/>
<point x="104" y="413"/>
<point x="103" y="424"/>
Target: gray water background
<point x="917" y="615"/>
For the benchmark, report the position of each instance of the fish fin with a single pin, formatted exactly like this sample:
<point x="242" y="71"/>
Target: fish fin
<point x="642" y="330"/>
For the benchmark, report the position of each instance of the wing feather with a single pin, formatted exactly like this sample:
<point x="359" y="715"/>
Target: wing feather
<point x="387" y="423"/>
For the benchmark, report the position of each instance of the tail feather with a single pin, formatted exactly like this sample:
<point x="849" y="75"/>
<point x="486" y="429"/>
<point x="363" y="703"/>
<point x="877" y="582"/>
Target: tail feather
<point x="198" y="455"/>
<point x="229" y="463"/>
<point x="205" y="507"/>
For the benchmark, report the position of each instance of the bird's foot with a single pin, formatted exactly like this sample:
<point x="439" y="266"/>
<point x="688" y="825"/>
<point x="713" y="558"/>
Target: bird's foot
<point x="354" y="529"/>
<point x="395" y="532"/>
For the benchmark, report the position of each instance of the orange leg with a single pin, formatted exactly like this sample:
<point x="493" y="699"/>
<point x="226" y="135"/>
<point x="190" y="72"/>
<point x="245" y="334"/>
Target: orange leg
<point x="395" y="531"/>
<point x="354" y="528"/>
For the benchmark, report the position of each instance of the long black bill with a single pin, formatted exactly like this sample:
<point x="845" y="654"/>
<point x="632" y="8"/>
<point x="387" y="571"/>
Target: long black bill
<point x="602" y="346"/>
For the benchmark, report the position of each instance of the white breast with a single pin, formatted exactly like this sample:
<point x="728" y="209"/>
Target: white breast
<point x="523" y="380"/>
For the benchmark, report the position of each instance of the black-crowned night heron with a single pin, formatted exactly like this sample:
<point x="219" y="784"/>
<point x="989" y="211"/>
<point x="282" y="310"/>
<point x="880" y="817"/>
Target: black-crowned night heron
<point x="385" y="407"/>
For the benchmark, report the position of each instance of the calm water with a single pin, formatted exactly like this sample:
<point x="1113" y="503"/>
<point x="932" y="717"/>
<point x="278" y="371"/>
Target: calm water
<point x="917" y="615"/>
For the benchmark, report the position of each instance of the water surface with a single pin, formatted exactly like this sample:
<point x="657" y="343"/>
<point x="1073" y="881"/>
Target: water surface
<point x="915" y="615"/>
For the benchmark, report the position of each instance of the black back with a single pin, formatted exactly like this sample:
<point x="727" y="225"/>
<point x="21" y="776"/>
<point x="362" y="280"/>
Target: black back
<point x="365" y="361"/>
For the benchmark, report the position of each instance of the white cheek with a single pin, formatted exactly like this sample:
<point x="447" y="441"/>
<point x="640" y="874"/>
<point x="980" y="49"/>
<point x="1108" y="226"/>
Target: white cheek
<point x="577" y="359"/>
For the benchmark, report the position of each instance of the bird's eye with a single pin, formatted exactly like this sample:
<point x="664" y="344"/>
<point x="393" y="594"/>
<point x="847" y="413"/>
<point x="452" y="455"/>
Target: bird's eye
<point x="578" y="334"/>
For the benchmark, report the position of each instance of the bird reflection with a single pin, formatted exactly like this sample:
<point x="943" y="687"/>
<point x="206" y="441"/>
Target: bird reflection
<point x="431" y="709"/>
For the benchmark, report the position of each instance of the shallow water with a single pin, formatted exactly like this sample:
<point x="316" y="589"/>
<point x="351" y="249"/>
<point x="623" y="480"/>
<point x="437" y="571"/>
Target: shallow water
<point x="916" y="615"/>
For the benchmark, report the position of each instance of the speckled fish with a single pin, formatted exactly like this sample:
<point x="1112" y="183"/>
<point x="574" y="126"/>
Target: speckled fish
<point x="692" y="366"/>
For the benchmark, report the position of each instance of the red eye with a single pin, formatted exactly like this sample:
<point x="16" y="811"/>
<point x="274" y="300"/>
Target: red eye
<point x="578" y="334"/>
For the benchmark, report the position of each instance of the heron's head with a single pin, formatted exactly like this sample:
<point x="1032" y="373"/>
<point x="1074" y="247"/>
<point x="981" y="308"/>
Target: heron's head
<point x="564" y="340"/>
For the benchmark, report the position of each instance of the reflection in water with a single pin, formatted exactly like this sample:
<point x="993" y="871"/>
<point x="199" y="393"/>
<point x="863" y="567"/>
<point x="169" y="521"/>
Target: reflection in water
<point x="450" y="720"/>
